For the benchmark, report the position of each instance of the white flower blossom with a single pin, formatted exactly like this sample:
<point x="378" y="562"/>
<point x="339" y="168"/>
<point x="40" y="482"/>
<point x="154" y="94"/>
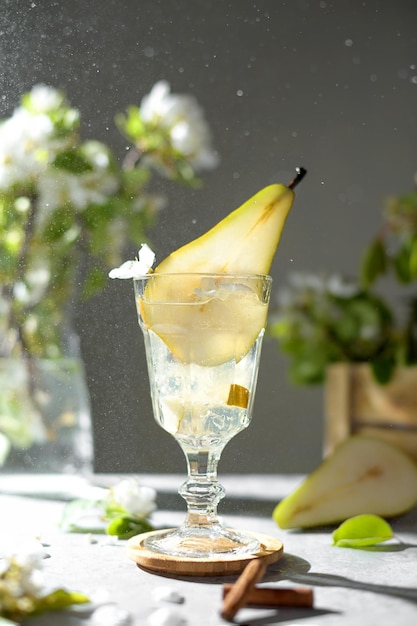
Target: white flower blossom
<point x="304" y="283"/>
<point x="137" y="268"/>
<point x="133" y="497"/>
<point x="24" y="146"/>
<point x="111" y="615"/>
<point x="344" y="288"/>
<point x="167" y="594"/>
<point x="166" y="617"/>
<point x="44" y="99"/>
<point x="28" y="140"/>
<point x="59" y="187"/>
<point x="28" y="562"/>
<point x="184" y="119"/>
<point x="32" y="290"/>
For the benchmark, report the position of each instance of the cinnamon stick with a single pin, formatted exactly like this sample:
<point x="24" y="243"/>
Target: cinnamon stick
<point x="275" y="596"/>
<point x="237" y="596"/>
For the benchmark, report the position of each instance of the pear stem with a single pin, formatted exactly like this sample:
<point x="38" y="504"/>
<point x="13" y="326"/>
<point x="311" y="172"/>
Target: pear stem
<point x="301" y="172"/>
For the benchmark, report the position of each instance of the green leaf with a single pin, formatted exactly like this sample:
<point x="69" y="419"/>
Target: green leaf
<point x="374" y="263"/>
<point x="362" y="531"/>
<point x="383" y="369"/>
<point x="73" y="162"/>
<point x="58" y="600"/>
<point x="135" y="179"/>
<point x="413" y="258"/>
<point x="73" y="514"/>
<point x="126" y="526"/>
<point x="401" y="263"/>
<point x="94" y="282"/>
<point x="131" y="123"/>
<point x="60" y="222"/>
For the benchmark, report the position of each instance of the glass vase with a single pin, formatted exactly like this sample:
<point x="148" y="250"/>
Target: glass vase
<point x="45" y="418"/>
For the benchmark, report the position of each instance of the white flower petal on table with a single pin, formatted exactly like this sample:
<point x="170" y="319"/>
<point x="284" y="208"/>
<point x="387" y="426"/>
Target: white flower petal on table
<point x="111" y="615"/>
<point x="166" y="617"/>
<point x="167" y="594"/>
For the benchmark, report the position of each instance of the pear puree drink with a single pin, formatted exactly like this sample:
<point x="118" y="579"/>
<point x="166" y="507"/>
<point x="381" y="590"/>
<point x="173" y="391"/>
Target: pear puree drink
<point x="203" y="337"/>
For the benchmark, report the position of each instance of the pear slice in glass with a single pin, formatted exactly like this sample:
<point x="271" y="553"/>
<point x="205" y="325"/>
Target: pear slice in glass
<point x="242" y="243"/>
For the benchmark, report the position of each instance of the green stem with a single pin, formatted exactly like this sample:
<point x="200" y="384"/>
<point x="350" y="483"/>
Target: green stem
<point x="29" y="230"/>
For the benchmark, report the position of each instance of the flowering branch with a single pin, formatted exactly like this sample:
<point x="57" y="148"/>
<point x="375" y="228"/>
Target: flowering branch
<point x="124" y="511"/>
<point x="68" y="210"/>
<point x="65" y="204"/>
<point x="22" y="589"/>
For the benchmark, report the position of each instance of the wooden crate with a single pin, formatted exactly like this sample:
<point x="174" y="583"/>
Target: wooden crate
<point x="356" y="403"/>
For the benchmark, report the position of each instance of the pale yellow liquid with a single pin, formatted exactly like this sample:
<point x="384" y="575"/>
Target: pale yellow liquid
<point x="197" y="352"/>
<point x="207" y="330"/>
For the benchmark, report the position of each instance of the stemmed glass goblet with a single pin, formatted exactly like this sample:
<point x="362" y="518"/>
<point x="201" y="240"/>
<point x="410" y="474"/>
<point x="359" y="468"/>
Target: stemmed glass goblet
<point x="203" y="336"/>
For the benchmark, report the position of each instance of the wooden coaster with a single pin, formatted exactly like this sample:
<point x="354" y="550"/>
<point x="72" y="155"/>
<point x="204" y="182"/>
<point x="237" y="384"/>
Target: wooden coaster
<point x="270" y="551"/>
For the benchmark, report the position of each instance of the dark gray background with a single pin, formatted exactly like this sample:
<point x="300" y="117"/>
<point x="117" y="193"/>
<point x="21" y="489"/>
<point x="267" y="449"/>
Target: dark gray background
<point x="330" y="85"/>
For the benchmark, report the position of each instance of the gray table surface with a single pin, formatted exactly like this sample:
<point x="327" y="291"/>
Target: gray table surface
<point x="351" y="587"/>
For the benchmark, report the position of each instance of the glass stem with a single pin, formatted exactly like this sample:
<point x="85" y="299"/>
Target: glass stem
<point x="202" y="491"/>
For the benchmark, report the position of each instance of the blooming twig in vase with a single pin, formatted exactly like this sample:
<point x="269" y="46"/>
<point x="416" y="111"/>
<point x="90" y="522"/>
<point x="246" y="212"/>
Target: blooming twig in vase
<point x="68" y="210"/>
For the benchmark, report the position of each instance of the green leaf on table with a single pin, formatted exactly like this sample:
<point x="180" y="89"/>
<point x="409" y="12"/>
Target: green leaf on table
<point x="361" y="531"/>
<point x="58" y="600"/>
<point x="82" y="516"/>
<point x="126" y="526"/>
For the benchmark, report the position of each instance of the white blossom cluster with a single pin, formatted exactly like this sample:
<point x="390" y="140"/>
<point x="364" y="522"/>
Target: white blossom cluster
<point x="21" y="578"/>
<point x="135" y="498"/>
<point x="184" y="120"/>
<point x="30" y="140"/>
<point x="305" y="282"/>
<point x="68" y="210"/>
<point x="44" y="127"/>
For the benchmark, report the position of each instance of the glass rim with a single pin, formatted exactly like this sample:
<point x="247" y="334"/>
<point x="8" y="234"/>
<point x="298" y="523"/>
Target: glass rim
<point x="245" y="275"/>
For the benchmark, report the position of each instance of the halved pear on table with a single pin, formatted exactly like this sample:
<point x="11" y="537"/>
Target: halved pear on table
<point x="363" y="475"/>
<point x="242" y="243"/>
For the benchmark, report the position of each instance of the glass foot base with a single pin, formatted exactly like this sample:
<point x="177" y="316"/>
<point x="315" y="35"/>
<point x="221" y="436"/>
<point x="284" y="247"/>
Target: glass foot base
<point x="225" y="562"/>
<point x="202" y="542"/>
